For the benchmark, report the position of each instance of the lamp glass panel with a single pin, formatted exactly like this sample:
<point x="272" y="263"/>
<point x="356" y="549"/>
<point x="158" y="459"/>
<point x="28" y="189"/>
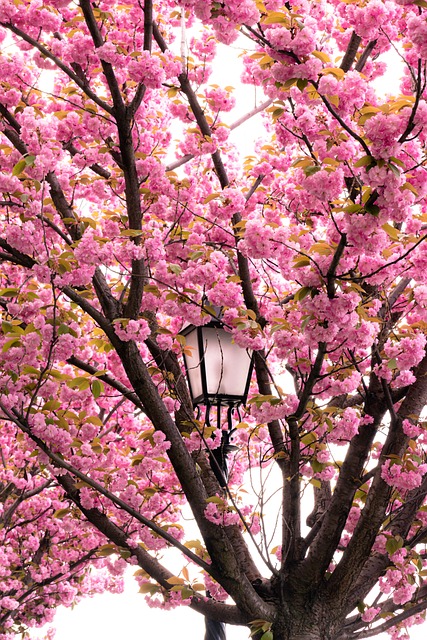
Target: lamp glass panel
<point x="227" y="364"/>
<point x="193" y="364"/>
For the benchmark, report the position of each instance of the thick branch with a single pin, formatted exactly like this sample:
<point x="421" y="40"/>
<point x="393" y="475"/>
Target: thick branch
<point x="216" y="610"/>
<point x="351" y="52"/>
<point x="16" y="256"/>
<point x="374" y="511"/>
<point x="328" y="536"/>
<point x="365" y="55"/>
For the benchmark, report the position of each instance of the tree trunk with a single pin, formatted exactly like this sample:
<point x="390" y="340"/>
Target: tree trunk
<point x="303" y="624"/>
<point x="286" y="633"/>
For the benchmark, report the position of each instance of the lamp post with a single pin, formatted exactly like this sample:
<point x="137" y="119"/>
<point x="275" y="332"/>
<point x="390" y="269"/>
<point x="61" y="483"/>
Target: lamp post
<point x="219" y="374"/>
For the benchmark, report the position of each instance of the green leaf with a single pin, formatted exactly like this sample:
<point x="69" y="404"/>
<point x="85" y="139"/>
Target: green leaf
<point x="148" y="587"/>
<point x="309" y="438"/>
<point x="215" y="499"/>
<point x="29" y="369"/>
<point x="373" y="209"/>
<point x="79" y="382"/>
<point x="392" y="545"/>
<point x="259" y="399"/>
<point x="9" y="292"/>
<point x="289" y="83"/>
<point x="175" y="268"/>
<point x="410" y="187"/>
<point x="52" y="405"/>
<point x="15" y="342"/>
<point x="211" y="196"/>
<point x="194" y="544"/>
<point x="175" y="580"/>
<point x="364" y="161"/>
<point x="317" y="466"/>
<point x="60" y="513"/>
<point x="275" y="17"/>
<point x="133" y="233"/>
<point x="106" y="550"/>
<point x="19" y="167"/>
<point x="393" y="168"/>
<point x="195" y="255"/>
<point x="97" y="388"/>
<point x="302" y="293"/>
<point x="309" y="171"/>
<point x="276" y="113"/>
<point x="64" y="328"/>
<point x="397" y="161"/>
<point x="322" y="248"/>
<point x="391" y="231"/>
<point x="353" y="208"/>
<point x="268" y="635"/>
<point x="302" y="262"/>
<point x="306" y="320"/>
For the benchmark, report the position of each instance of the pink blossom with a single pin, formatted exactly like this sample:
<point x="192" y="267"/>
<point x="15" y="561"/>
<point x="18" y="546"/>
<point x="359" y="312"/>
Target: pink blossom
<point x="147" y="69"/>
<point x="403" y="478"/>
<point x="369" y="614"/>
<point x="137" y="330"/>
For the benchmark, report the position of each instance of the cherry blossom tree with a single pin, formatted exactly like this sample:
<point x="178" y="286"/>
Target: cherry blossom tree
<point x="126" y="212"/>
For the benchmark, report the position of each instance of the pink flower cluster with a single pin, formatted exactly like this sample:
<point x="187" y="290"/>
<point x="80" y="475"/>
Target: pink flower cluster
<point x="221" y="514"/>
<point x="147" y="69"/>
<point x="137" y="330"/>
<point x="404" y="476"/>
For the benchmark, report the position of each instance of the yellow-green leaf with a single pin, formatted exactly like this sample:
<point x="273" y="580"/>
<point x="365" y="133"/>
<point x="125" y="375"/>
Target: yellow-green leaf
<point x="302" y="262"/>
<point x="60" y="513"/>
<point x="19" y="167"/>
<point x="364" y="161"/>
<point x="321" y="55"/>
<point x="335" y="71"/>
<point x="174" y="580"/>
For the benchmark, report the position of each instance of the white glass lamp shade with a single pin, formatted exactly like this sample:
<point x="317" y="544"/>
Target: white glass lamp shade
<point x="218" y="370"/>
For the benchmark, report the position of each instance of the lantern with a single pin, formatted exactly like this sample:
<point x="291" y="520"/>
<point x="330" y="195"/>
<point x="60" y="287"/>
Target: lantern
<point x="218" y="370"/>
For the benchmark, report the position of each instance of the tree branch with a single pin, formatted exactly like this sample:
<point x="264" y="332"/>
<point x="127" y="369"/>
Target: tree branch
<point x="57" y="461"/>
<point x="73" y="76"/>
<point x="127" y="393"/>
<point x="351" y="52"/>
<point x="98" y="41"/>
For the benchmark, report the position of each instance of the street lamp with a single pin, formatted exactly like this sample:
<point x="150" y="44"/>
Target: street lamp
<point x="218" y="370"/>
<point x="219" y="374"/>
